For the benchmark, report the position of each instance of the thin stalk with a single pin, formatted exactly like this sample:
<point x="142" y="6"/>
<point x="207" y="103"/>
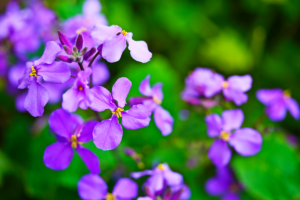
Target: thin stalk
<point x="81" y="66"/>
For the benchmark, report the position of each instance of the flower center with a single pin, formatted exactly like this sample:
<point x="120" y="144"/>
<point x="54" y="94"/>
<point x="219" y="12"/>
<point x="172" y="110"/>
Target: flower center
<point x="118" y="112"/>
<point x="78" y="31"/>
<point x="74" y="141"/>
<point x="110" y="196"/>
<point x="156" y="100"/>
<point x="80" y="87"/>
<point x="225" y="84"/>
<point x="124" y="32"/>
<point x="286" y="93"/>
<point x="225" y="135"/>
<point x="33" y="71"/>
<point x="160" y="166"/>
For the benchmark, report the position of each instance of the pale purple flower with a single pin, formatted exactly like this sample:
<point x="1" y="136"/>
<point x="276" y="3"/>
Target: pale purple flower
<point x="93" y="187"/>
<point x="43" y="69"/>
<point x="183" y="190"/>
<point x="224" y="185"/>
<point x="112" y="42"/>
<point x="277" y="103"/>
<point x="80" y="95"/>
<point x="160" y="177"/>
<point x="153" y="98"/>
<point x="246" y="141"/>
<point x="108" y="133"/>
<point x="71" y="132"/>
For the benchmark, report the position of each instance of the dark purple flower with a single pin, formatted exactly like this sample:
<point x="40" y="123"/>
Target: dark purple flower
<point x="246" y="141"/>
<point x="160" y="177"/>
<point x="277" y="103"/>
<point x="43" y="69"/>
<point x="114" y="39"/>
<point x="223" y="185"/>
<point x="93" y="187"/>
<point x="108" y="133"/>
<point x="72" y="133"/>
<point x="154" y="96"/>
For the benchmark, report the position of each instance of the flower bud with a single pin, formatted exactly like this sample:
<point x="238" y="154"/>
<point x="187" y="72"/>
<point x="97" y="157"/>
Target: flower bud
<point x="75" y="50"/>
<point x="89" y="53"/>
<point x="67" y="49"/>
<point x="64" y="39"/>
<point x="83" y="51"/>
<point x="67" y="59"/>
<point x="79" y="42"/>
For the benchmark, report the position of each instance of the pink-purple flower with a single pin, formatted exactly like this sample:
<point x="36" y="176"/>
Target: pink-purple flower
<point x="108" y="133"/>
<point x="153" y="98"/>
<point x="277" y="103"/>
<point x="112" y="42"/>
<point x="44" y="69"/>
<point x="246" y="141"/>
<point x="93" y="187"/>
<point x="71" y="132"/>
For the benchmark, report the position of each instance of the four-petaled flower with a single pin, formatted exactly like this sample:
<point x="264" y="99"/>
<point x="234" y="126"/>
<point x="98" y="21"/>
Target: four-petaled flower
<point x="245" y="141"/>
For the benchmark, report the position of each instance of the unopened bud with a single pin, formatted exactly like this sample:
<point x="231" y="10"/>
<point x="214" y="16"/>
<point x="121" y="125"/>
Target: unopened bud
<point x="83" y="51"/>
<point x="75" y="50"/>
<point x="64" y="39"/>
<point x="79" y="42"/>
<point x="89" y="53"/>
<point x="67" y="59"/>
<point x="67" y="49"/>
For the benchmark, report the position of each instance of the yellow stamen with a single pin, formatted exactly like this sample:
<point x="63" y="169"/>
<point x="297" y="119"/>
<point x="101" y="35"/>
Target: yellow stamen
<point x="287" y="93"/>
<point x="124" y="32"/>
<point x="80" y="87"/>
<point x="78" y="31"/>
<point x="225" y="84"/>
<point x="156" y="100"/>
<point x="118" y="112"/>
<point x="225" y="135"/>
<point x="33" y="71"/>
<point x="110" y="196"/>
<point x="74" y="141"/>
<point x="160" y="166"/>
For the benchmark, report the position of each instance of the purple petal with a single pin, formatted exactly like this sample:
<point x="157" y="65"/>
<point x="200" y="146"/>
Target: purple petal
<point x="232" y="119"/>
<point x="51" y="51"/>
<point x="155" y="182"/>
<point x="157" y="91"/>
<point x="172" y="178"/>
<point x="36" y="99"/>
<point x="236" y="96"/>
<point x="90" y="159"/>
<point x="136" y="117"/>
<point x="163" y="120"/>
<point x="120" y="90"/>
<point x="92" y="187"/>
<point x="25" y="80"/>
<point x="293" y="107"/>
<point x="113" y="48"/>
<point x="125" y="188"/>
<point x="79" y="42"/>
<point x="216" y="186"/>
<point x="276" y="111"/>
<point x="246" y="141"/>
<point x="241" y="83"/>
<point x="16" y="72"/>
<point x="144" y="198"/>
<point x="91" y="7"/>
<point x="108" y="134"/>
<point x="102" y="99"/>
<point x="61" y="122"/>
<point x="214" y="125"/>
<point x="269" y="96"/>
<point x="20" y="102"/>
<point x="138" y="49"/>
<point x="219" y="153"/>
<point x="101" y="32"/>
<point x="213" y="85"/>
<point x="231" y="196"/>
<point x="64" y="39"/>
<point x="86" y="133"/>
<point x="140" y="174"/>
<point x="71" y="99"/>
<point x="145" y="88"/>
<point x="186" y="193"/>
<point x="58" y="156"/>
<point x="58" y="72"/>
<point x="100" y="74"/>
<point x="137" y="100"/>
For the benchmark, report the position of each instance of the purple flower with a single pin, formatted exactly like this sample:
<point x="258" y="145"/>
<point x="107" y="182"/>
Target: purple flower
<point x="112" y="42"/>
<point x="223" y="185"/>
<point x="277" y="103"/>
<point x="80" y="94"/>
<point x="93" y="187"/>
<point x="160" y="177"/>
<point x="154" y="96"/>
<point x="245" y="141"/>
<point x="43" y="69"/>
<point x="108" y="133"/>
<point x="71" y="132"/>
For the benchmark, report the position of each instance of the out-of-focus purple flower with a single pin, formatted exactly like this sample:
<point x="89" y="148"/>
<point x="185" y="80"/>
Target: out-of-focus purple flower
<point x="108" y="133"/>
<point x="277" y="103"/>
<point x="153" y="98"/>
<point x="160" y="177"/>
<point x="80" y="94"/>
<point x="224" y="185"/>
<point x="45" y="69"/>
<point x="246" y="141"/>
<point x="72" y="133"/>
<point x="3" y="64"/>
<point x="292" y="140"/>
<point x="112" y="42"/>
<point x="93" y="187"/>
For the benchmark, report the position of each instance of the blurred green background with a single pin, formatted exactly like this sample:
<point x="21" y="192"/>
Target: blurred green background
<point x="257" y="37"/>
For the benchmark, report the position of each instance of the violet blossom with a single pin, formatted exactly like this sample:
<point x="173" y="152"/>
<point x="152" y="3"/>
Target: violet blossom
<point x="112" y="42"/>
<point x="43" y="69"/>
<point x="93" y="187"/>
<point x="277" y="103"/>
<point x="108" y="133"/>
<point x="71" y="132"/>
<point x="246" y="141"/>
<point x="153" y="99"/>
<point x="224" y="185"/>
